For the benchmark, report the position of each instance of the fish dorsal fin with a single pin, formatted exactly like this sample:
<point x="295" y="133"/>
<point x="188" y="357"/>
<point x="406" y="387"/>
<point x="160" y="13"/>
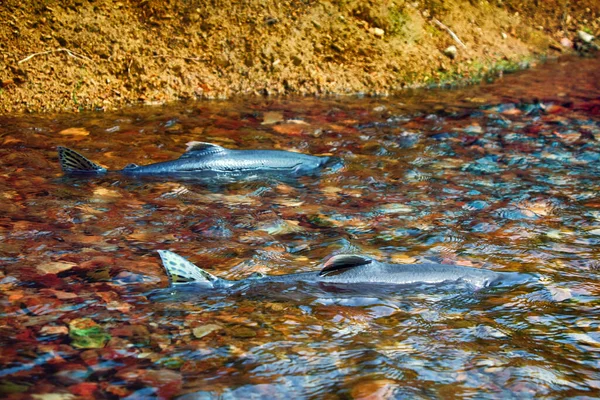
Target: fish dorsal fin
<point x="73" y="162"/>
<point x="131" y="166"/>
<point x="198" y="149"/>
<point x="181" y="270"/>
<point x="342" y="263"/>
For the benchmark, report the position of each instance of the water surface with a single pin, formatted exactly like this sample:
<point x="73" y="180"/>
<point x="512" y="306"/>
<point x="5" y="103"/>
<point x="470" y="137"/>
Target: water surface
<point x="503" y="175"/>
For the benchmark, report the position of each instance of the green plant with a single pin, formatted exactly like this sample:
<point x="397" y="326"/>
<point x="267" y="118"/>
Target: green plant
<point x="74" y="94"/>
<point x="398" y="19"/>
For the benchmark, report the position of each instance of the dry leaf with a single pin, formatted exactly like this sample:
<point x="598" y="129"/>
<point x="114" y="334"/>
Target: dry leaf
<point x="75" y="132"/>
<point x="272" y="117"/>
<point x="54" y="267"/>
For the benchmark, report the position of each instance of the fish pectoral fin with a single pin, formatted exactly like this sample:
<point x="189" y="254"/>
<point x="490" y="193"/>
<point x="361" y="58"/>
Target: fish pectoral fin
<point x="181" y="270"/>
<point x="343" y="263"/>
<point x="73" y="162"/>
<point x="198" y="149"/>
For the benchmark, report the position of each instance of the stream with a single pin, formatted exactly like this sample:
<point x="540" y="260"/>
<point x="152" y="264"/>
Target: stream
<point x="503" y="175"/>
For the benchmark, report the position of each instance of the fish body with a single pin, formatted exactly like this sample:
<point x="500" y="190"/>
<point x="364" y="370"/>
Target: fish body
<point x="206" y="158"/>
<point x="350" y="269"/>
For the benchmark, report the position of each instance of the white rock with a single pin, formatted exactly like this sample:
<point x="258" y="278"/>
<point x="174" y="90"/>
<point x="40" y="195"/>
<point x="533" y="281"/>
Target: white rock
<point x="377" y="32"/>
<point x="451" y="51"/>
<point x="564" y="42"/>
<point x="585" y="37"/>
<point x="559" y="294"/>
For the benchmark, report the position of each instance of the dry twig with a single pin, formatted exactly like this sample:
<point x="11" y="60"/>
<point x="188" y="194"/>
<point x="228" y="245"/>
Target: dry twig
<point x="69" y="52"/>
<point x="444" y="27"/>
<point x="183" y="58"/>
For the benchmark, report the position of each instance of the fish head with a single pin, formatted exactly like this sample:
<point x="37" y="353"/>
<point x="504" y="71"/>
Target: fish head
<point x="316" y="164"/>
<point x="509" y="279"/>
<point x="309" y="166"/>
<point x="332" y="164"/>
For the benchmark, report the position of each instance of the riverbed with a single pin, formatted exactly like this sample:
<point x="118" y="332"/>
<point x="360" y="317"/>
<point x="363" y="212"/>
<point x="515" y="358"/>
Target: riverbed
<point x="502" y="175"/>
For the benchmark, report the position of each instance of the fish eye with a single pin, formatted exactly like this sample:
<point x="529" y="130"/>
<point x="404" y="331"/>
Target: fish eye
<point x="256" y="275"/>
<point x="491" y="283"/>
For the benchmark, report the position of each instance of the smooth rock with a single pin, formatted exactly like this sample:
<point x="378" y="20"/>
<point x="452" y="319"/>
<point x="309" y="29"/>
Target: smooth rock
<point x="379" y="389"/>
<point x="54" y="267"/>
<point x="559" y="294"/>
<point x="72" y="374"/>
<point x="8" y="387"/>
<point x="377" y="32"/>
<point x="488" y="332"/>
<point x="53" y="396"/>
<point x="566" y="43"/>
<point x="54" y="330"/>
<point x="85" y="333"/>
<point x="451" y="52"/>
<point x="204" y="330"/>
<point x="585" y="37"/>
<point x="242" y="332"/>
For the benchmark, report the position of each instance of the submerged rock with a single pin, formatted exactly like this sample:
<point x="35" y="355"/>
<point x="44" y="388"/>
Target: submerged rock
<point x="87" y="334"/>
<point x="204" y="330"/>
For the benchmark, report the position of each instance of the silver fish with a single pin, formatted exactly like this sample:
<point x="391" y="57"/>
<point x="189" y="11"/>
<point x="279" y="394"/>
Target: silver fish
<point x="206" y="158"/>
<point x="350" y="269"/>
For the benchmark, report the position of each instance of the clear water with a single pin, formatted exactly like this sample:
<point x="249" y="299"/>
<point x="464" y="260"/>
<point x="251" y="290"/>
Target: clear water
<point x="503" y="175"/>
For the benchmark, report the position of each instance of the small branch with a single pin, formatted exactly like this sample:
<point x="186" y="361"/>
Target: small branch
<point x="69" y="52"/>
<point x="183" y="58"/>
<point x="444" y="27"/>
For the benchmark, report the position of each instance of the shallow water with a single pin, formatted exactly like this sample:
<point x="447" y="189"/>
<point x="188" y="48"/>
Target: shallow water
<point x="503" y="175"/>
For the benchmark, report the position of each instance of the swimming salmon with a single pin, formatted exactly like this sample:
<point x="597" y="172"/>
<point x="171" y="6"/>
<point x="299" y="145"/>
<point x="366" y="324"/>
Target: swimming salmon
<point x="206" y="158"/>
<point x="349" y="269"/>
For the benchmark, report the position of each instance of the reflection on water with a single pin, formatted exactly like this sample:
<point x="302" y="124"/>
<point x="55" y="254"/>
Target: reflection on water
<point x="503" y="176"/>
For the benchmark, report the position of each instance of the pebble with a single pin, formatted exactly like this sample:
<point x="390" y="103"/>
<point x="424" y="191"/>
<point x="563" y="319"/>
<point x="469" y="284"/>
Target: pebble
<point x="85" y="333"/>
<point x="374" y="390"/>
<point x="102" y="195"/>
<point x="72" y="375"/>
<point x="566" y="43"/>
<point x="337" y="47"/>
<point x="488" y="332"/>
<point x="54" y="330"/>
<point x="377" y="32"/>
<point x="242" y="332"/>
<point x="53" y="396"/>
<point x="393" y="208"/>
<point x="451" y="52"/>
<point x="54" y="267"/>
<point x="559" y="294"/>
<point x="585" y="37"/>
<point x="204" y="330"/>
<point x="408" y="139"/>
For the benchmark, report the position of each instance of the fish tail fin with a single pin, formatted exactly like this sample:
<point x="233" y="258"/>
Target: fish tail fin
<point x="72" y="162"/>
<point x="181" y="270"/>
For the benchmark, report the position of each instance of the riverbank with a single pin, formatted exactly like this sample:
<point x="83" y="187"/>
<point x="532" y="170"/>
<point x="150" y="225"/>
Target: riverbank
<point x="102" y="55"/>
